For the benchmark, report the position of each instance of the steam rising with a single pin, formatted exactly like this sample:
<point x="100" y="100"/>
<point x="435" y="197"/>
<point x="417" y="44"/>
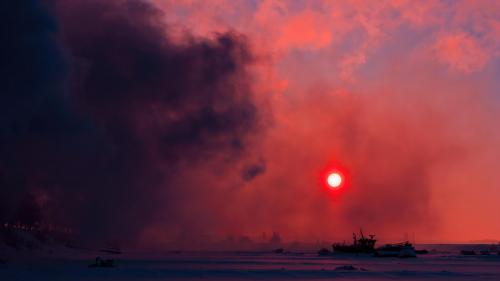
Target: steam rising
<point x="126" y="128"/>
<point x="98" y="114"/>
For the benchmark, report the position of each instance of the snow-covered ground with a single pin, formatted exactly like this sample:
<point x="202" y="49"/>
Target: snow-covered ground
<point x="69" y="265"/>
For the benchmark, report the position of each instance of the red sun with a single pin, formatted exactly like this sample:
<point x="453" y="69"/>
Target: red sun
<point x="334" y="180"/>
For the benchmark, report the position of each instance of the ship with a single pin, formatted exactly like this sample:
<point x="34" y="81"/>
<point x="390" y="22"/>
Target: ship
<point x="359" y="245"/>
<point x="400" y="250"/>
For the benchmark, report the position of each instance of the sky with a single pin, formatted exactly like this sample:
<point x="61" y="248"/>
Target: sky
<point x="177" y="123"/>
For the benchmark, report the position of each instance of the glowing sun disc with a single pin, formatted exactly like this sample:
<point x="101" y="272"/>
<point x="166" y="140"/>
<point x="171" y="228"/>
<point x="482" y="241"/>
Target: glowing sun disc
<point x="334" y="180"/>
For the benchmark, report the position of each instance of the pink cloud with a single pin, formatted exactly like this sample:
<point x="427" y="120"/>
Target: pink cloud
<point x="407" y="116"/>
<point x="461" y="52"/>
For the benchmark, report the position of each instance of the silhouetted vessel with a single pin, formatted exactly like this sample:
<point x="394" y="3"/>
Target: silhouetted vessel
<point x="324" y="252"/>
<point x="400" y="250"/>
<point x="99" y="262"/>
<point x="361" y="245"/>
<point x="468" y="252"/>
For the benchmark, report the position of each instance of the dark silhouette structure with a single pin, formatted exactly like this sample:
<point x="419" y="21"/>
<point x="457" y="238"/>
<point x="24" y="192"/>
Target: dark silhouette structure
<point x="99" y="262"/>
<point x="361" y="245"/>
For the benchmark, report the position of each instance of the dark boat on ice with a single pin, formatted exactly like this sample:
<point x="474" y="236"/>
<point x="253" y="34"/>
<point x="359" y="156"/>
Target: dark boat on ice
<point x="324" y="252"/>
<point x="361" y="245"/>
<point x="99" y="262"/>
<point x="399" y="250"/>
<point x="468" y="253"/>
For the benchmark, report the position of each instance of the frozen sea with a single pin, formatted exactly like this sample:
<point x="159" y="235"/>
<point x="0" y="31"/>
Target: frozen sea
<point x="443" y="264"/>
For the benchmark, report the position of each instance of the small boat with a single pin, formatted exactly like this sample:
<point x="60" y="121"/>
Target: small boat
<point x="324" y="252"/>
<point x="399" y="250"/>
<point x="279" y="251"/>
<point x="468" y="252"/>
<point x="99" y="262"/>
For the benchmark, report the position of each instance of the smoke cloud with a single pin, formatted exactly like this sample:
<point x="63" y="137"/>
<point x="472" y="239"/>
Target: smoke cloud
<point x="181" y="123"/>
<point x="102" y="111"/>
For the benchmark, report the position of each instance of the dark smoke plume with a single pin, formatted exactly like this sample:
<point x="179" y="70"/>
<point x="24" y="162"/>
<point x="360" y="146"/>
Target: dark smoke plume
<point x="33" y="111"/>
<point x="100" y="107"/>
